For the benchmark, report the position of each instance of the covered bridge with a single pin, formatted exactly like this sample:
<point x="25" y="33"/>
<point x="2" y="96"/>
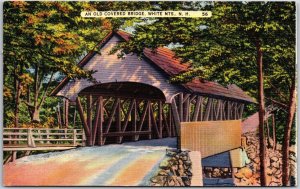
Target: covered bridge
<point x="133" y="99"/>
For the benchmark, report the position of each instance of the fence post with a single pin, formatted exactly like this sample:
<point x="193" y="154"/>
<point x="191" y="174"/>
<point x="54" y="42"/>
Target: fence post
<point x="40" y="136"/>
<point x="66" y="131"/>
<point x="74" y="137"/>
<point x="30" y="139"/>
<point x="48" y="142"/>
<point x="14" y="156"/>
<point x="83" y="138"/>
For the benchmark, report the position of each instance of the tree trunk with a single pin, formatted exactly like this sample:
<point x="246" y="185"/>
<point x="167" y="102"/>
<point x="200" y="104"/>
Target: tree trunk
<point x="287" y="136"/>
<point x="17" y="102"/>
<point x="36" y="115"/>
<point x="274" y="132"/>
<point x="35" y="112"/>
<point x="262" y="145"/>
<point x="268" y="130"/>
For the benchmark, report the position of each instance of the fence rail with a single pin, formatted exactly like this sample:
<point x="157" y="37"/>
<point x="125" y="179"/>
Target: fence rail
<point x="42" y="137"/>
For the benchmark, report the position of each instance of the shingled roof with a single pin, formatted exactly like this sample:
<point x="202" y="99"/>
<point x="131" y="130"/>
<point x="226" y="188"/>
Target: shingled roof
<point x="166" y="60"/>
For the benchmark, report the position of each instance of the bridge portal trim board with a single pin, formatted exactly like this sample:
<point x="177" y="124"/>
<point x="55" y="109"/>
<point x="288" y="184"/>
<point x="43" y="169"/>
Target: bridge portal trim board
<point x="210" y="137"/>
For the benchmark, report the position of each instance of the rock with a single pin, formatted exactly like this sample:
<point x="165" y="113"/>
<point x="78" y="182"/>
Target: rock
<point x="268" y="179"/>
<point x="274" y="159"/>
<point x="185" y="158"/>
<point x="164" y="172"/>
<point x="171" y="182"/>
<point x="170" y="153"/>
<point x="274" y="184"/>
<point x="275" y="164"/>
<point x="256" y="160"/>
<point x="164" y="164"/>
<point x="188" y="163"/>
<point x="239" y="175"/>
<point x="180" y="162"/>
<point x="154" y="179"/>
<point x="179" y="181"/>
<point x="187" y="182"/>
<point x="188" y="173"/>
<point x="278" y="174"/>
<point x="269" y="171"/>
<point x="246" y="172"/>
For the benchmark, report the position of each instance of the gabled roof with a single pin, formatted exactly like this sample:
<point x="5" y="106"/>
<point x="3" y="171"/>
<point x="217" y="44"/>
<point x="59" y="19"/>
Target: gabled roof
<point x="165" y="59"/>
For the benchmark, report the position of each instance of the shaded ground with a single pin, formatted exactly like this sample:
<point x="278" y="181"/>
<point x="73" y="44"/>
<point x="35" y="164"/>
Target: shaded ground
<point x="128" y="164"/>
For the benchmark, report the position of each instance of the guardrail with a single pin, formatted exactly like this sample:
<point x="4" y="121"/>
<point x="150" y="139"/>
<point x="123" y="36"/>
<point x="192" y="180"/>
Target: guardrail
<point x="36" y="137"/>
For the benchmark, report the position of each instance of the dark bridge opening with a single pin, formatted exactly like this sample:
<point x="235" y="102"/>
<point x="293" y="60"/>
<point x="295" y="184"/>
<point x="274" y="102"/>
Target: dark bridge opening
<point x="125" y="90"/>
<point x="124" y="111"/>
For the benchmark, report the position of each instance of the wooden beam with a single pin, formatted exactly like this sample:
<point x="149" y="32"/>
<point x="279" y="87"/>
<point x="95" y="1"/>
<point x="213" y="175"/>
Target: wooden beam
<point x="180" y="106"/>
<point x="90" y="116"/>
<point x="144" y="113"/>
<point x="160" y="118"/>
<point x="207" y="110"/>
<point x="96" y="121"/>
<point x="176" y="120"/>
<point x="217" y="109"/>
<point x="212" y="110"/>
<point x="142" y="118"/>
<point x="193" y="97"/>
<point x="235" y="110"/>
<point x="14" y="156"/>
<point x="66" y="113"/>
<point x="154" y="121"/>
<point x="74" y="118"/>
<point x="127" y="116"/>
<point x="59" y="117"/>
<point x="134" y="117"/>
<point x="100" y="122"/>
<point x="115" y="106"/>
<point x="118" y="120"/>
<point x="166" y="124"/>
<point x="83" y="120"/>
<point x="186" y="108"/>
<point x="221" y="110"/>
<point x="228" y="110"/>
<point x="224" y="110"/>
<point x="201" y="110"/>
<point x="149" y="120"/>
<point x="186" y="97"/>
<point x="197" y="108"/>
<point x="241" y="111"/>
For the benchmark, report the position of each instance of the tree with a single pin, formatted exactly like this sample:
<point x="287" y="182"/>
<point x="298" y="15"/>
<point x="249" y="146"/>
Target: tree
<point x="42" y="39"/>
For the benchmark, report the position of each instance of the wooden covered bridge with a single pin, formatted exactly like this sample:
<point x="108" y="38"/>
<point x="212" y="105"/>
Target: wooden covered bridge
<point x="133" y="98"/>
